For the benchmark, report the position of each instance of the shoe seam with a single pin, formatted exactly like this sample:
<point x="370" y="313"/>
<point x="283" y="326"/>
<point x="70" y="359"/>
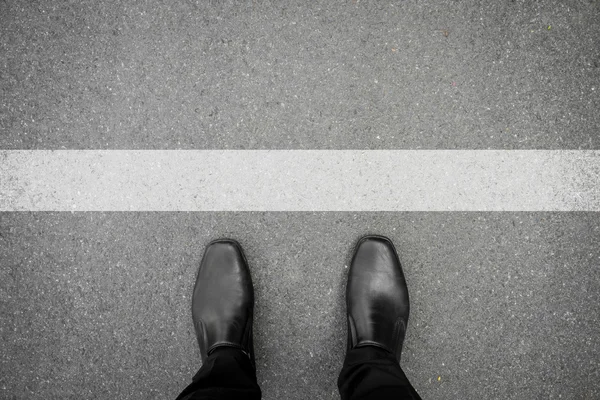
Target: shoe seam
<point x="225" y="344"/>
<point x="366" y="343"/>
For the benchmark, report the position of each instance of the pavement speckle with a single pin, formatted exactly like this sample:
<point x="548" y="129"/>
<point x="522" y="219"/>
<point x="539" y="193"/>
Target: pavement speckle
<point x="504" y="305"/>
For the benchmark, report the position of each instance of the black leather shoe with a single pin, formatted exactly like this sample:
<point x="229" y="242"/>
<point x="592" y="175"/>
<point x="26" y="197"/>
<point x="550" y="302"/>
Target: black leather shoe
<point x="223" y="299"/>
<point x="376" y="297"/>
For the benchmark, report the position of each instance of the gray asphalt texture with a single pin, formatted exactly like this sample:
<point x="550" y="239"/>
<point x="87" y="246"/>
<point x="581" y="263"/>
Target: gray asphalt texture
<point x="97" y="305"/>
<point x="292" y="75"/>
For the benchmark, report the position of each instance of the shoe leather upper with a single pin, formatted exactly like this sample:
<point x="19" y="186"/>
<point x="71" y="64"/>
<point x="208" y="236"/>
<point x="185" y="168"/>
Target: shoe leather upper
<point x="377" y="297"/>
<point x="223" y="299"/>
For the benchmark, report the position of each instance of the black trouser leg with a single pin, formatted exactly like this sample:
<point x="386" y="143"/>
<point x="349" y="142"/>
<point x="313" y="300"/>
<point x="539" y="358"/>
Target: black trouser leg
<point x="227" y="374"/>
<point x="371" y="373"/>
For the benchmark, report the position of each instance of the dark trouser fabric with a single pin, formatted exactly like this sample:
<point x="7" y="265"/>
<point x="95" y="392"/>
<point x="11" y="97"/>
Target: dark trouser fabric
<point x="227" y="374"/>
<point x="369" y="373"/>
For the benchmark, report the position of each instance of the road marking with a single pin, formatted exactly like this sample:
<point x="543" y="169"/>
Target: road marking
<point x="299" y="180"/>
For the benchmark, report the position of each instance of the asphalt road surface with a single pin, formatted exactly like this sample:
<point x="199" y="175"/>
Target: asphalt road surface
<point x="97" y="304"/>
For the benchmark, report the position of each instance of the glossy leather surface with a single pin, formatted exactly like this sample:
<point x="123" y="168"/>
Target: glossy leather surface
<point x="223" y="299"/>
<point x="376" y="297"/>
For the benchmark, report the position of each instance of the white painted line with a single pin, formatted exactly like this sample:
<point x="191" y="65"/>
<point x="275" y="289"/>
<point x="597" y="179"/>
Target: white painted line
<point x="299" y="180"/>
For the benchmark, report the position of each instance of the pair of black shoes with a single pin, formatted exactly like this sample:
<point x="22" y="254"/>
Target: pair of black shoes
<point x="376" y="298"/>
